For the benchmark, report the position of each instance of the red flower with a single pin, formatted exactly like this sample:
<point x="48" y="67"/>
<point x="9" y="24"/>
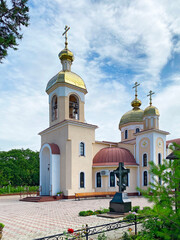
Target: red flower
<point x="70" y="230"/>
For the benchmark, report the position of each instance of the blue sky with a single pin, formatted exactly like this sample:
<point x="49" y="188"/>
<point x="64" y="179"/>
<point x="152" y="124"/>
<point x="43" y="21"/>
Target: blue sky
<point x="115" y="43"/>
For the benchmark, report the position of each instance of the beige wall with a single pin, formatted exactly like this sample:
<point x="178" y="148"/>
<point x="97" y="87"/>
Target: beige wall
<point x="144" y="148"/>
<point x="105" y="180"/>
<point x="129" y="147"/>
<point x="68" y="139"/>
<point x="159" y="149"/>
<point x="97" y="146"/>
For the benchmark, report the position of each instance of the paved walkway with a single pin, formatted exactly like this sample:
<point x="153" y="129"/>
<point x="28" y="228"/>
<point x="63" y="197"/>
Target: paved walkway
<point x="26" y="220"/>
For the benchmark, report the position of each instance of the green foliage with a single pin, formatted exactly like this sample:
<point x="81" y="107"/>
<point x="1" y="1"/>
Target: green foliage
<point x="102" y="236"/>
<point x="130" y="217"/>
<point x="19" y="167"/>
<point x="90" y="212"/>
<point x="165" y="215"/>
<point x="12" y="18"/>
<point x="1" y="225"/>
<point x="18" y="189"/>
<point x="136" y="209"/>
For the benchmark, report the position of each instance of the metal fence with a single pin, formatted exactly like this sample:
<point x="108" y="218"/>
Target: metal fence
<point x="87" y="231"/>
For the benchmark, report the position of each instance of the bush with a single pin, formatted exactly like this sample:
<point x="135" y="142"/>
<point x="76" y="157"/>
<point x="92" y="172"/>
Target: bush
<point x="90" y="212"/>
<point x="130" y="217"/>
<point x="10" y="189"/>
<point x="136" y="209"/>
<point x="1" y="225"/>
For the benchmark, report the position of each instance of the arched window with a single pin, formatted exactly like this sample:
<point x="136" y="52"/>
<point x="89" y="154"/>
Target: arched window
<point x="126" y="179"/>
<point x="137" y="130"/>
<point x="82" y="149"/>
<point x="145" y="178"/>
<point x="126" y="134"/>
<point x="54" y="108"/>
<point x="112" y="179"/>
<point x="82" y="185"/>
<point x="98" y="179"/>
<point x="159" y="158"/>
<point x="144" y="160"/>
<point x="73" y="107"/>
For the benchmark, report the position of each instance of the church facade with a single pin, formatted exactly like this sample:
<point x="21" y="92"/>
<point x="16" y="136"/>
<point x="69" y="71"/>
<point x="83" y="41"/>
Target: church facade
<point x="72" y="161"/>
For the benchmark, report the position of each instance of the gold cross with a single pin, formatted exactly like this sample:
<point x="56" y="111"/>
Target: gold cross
<point x="65" y="33"/>
<point x="150" y="95"/>
<point x="135" y="86"/>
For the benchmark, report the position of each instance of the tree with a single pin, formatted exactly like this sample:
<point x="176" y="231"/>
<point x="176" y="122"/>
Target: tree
<point x="19" y="167"/>
<point x="12" y="18"/>
<point x="164" y="222"/>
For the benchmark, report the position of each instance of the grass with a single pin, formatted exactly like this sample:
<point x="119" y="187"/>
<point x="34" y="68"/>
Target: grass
<point x="10" y="189"/>
<point x="90" y="212"/>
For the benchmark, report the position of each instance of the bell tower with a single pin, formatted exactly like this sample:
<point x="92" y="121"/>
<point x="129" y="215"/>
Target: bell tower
<point x="66" y="90"/>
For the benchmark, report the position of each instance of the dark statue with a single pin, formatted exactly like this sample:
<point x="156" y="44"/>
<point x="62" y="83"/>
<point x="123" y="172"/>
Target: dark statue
<point x="120" y="202"/>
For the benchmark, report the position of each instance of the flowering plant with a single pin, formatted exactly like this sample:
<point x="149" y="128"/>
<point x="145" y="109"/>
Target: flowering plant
<point x="70" y="230"/>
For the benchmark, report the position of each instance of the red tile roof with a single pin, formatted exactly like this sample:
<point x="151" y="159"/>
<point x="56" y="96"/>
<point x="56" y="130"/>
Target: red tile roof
<point x="112" y="156"/>
<point x="54" y="148"/>
<point x="177" y="140"/>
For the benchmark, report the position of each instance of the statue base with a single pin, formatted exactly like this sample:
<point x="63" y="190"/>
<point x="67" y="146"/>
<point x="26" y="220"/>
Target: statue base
<point x="120" y="203"/>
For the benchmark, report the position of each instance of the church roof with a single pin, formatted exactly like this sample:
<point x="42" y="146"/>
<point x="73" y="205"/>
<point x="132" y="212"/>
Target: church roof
<point x="135" y="115"/>
<point x="54" y="148"/>
<point x="151" y="111"/>
<point x="177" y="141"/>
<point x="66" y="77"/>
<point x="111" y="156"/>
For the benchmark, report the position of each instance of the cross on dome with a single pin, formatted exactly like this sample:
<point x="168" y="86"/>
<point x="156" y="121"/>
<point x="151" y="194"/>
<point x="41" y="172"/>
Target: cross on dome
<point x="150" y="96"/>
<point x="135" y="86"/>
<point x="65" y="33"/>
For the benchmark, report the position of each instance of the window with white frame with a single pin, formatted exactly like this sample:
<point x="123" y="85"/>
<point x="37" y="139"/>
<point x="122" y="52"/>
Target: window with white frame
<point x="82" y="149"/>
<point x="54" y="108"/>
<point x="112" y="179"/>
<point x="159" y="158"/>
<point x="98" y="179"/>
<point x="82" y="182"/>
<point x="126" y="134"/>
<point x="145" y="178"/>
<point x="145" y="160"/>
<point x="137" y="130"/>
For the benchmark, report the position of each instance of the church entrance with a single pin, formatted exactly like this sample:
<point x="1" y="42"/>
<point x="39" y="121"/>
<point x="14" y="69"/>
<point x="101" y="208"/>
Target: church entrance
<point x="49" y="169"/>
<point x="45" y="172"/>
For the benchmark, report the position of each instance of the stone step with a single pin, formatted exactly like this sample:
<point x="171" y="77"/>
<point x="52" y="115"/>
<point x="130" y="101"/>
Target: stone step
<point x="40" y="199"/>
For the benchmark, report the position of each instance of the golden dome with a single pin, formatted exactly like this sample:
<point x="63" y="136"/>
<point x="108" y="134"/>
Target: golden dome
<point x="66" y="77"/>
<point x="151" y="111"/>
<point x="135" y="115"/>
<point x="136" y="103"/>
<point x="66" y="54"/>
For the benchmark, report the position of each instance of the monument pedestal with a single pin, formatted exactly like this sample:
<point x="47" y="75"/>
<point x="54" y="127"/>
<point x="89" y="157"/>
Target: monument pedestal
<point x="120" y="203"/>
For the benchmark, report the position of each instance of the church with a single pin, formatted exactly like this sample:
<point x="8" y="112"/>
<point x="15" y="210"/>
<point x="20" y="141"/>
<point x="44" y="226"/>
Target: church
<point x="72" y="161"/>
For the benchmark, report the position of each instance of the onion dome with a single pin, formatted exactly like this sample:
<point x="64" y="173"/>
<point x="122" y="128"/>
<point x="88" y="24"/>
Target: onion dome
<point x="136" y="114"/>
<point x="67" y="77"/>
<point x="66" y="54"/>
<point x="111" y="156"/>
<point x="151" y="111"/>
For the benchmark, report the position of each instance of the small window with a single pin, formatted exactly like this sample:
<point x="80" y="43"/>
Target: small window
<point x="144" y="160"/>
<point x="126" y="180"/>
<point x="82" y="149"/>
<point x="137" y="130"/>
<point x="82" y="180"/>
<point x="126" y="134"/>
<point x="159" y="158"/>
<point x="54" y="108"/>
<point x="112" y="179"/>
<point x="73" y="107"/>
<point x="145" y="178"/>
<point x="98" y="179"/>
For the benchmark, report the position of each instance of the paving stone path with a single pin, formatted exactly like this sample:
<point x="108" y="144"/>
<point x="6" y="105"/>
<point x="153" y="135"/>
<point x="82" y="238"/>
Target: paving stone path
<point x="28" y="220"/>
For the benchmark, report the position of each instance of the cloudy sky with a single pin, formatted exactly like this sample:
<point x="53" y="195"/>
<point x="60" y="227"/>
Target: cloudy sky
<point x="115" y="44"/>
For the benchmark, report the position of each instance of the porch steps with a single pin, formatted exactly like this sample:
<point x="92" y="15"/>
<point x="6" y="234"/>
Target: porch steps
<point x="41" y="199"/>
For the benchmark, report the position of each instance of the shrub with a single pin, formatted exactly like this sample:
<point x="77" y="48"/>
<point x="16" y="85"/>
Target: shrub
<point x="1" y="225"/>
<point x="136" y="209"/>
